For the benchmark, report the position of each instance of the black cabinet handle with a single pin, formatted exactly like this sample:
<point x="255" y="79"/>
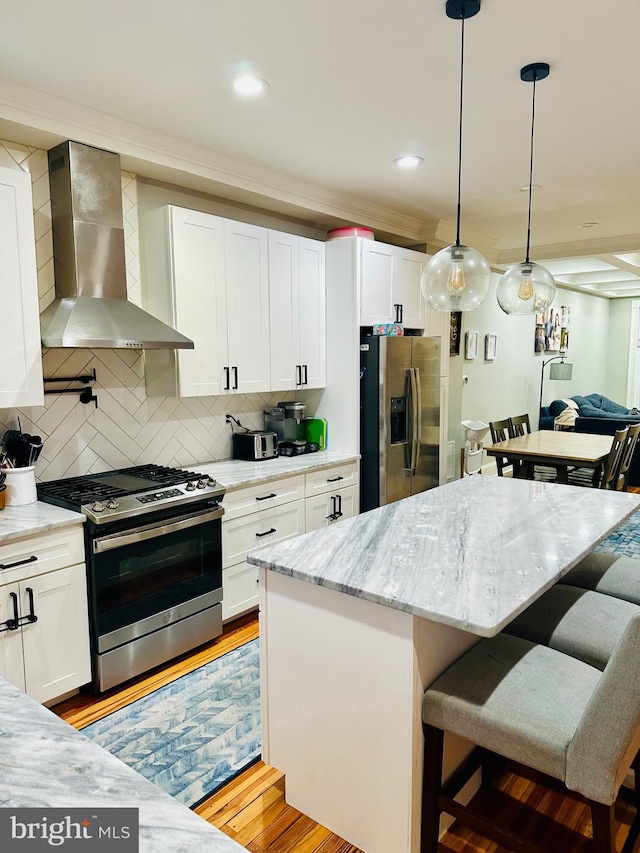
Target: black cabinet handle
<point x="306" y="377"/>
<point x="266" y="533"/>
<point x="266" y="497"/>
<point x="298" y="374"/>
<point x="339" y="510"/>
<point x="396" y="307"/>
<point x="332" y="514"/>
<point x="31" y="616"/>
<point x="226" y="379"/>
<point x="235" y="378"/>
<point x="13" y="624"/>
<point x="31" y="559"/>
<point x="401" y="320"/>
<point x="334" y="479"/>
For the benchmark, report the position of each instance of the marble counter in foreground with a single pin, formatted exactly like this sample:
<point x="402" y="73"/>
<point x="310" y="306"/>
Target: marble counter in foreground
<point x="19" y="521"/>
<point x="472" y="554"/>
<point x="234" y="473"/>
<point x="47" y="763"/>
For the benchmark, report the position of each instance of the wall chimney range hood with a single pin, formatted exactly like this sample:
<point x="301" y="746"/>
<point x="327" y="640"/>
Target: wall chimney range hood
<point x="91" y="307"/>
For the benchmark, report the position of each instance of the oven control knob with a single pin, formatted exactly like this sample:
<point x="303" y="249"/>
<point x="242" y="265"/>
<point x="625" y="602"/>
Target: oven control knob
<point x="202" y="484"/>
<point x="98" y="507"/>
<point x="191" y="486"/>
<point x="111" y="504"/>
<point x="212" y="482"/>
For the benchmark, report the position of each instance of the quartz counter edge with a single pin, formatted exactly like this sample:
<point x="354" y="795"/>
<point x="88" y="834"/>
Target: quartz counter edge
<point x="46" y="763"/>
<point x="403" y="556"/>
<point x="236" y="473"/>
<point x="18" y="522"/>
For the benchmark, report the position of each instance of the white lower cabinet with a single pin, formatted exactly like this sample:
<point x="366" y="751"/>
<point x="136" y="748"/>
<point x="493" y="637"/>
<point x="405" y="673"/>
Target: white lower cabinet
<point x="271" y="512"/>
<point x="47" y="652"/>
<point x="243" y="534"/>
<point x="324" y="510"/>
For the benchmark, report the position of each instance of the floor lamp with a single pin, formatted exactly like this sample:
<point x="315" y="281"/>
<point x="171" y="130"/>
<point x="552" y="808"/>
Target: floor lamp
<point x="556" y="371"/>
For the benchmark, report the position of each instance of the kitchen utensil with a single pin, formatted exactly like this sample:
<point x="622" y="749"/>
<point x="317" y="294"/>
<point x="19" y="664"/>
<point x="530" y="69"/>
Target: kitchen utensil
<point x="315" y="431"/>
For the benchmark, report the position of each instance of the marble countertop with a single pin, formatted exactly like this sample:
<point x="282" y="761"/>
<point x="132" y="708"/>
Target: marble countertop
<point x="472" y="554"/>
<point x="234" y="473"/>
<point x="38" y="517"/>
<point x="47" y="763"/>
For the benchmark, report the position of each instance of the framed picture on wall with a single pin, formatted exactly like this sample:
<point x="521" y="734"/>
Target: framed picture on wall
<point x="490" y="346"/>
<point x="455" y="333"/>
<point x="471" y="344"/>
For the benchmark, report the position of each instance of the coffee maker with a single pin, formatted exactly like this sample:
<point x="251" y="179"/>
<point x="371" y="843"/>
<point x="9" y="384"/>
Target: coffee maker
<point x="285" y="420"/>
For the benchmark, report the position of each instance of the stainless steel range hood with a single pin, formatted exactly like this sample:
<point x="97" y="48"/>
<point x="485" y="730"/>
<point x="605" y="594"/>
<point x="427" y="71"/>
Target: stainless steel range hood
<point x="91" y="307"/>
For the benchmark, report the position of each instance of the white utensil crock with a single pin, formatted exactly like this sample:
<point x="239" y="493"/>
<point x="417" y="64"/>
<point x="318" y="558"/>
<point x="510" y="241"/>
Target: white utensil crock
<point x="21" y="486"/>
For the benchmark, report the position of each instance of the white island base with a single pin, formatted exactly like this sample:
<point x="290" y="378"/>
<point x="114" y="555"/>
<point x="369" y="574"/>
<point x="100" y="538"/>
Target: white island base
<point x="342" y="687"/>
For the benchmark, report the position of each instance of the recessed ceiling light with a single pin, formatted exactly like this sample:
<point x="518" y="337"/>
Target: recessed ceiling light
<point x="534" y="187"/>
<point x="409" y="162"/>
<point x="588" y="225"/>
<point x="249" y="86"/>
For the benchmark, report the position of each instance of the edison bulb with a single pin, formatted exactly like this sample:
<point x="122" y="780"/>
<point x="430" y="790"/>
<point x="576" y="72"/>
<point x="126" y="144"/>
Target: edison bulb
<point x="456" y="279"/>
<point x="526" y="288"/>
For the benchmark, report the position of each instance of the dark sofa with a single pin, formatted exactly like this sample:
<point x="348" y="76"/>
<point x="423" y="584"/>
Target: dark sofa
<point x="597" y="414"/>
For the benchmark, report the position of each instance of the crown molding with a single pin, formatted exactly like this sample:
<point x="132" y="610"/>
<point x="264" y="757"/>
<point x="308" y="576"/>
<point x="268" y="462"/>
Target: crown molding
<point x="577" y="249"/>
<point x="43" y="119"/>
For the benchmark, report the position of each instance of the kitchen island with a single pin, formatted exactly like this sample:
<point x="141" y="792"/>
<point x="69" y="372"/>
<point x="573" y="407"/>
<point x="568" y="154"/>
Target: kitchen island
<point x="47" y="763"/>
<point x="358" y="619"/>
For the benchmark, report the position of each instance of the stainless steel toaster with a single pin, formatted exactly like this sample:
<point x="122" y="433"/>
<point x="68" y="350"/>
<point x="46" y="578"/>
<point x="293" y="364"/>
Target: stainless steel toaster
<point x="255" y="445"/>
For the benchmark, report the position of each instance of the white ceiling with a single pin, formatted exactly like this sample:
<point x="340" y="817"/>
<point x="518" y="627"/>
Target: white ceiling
<point x="352" y="86"/>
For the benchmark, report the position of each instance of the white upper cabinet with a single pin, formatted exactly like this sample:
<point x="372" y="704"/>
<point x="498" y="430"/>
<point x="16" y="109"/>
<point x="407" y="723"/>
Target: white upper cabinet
<point x="247" y="286"/>
<point x="208" y="278"/>
<point x="297" y="312"/>
<point x="21" y="368"/>
<point x="390" y="285"/>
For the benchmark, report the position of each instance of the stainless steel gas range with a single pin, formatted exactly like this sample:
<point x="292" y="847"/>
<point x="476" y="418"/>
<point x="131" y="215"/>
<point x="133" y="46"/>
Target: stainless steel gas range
<point x="154" y="564"/>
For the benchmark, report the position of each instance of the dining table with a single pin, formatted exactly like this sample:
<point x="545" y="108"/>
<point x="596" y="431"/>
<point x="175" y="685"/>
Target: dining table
<point x="558" y="449"/>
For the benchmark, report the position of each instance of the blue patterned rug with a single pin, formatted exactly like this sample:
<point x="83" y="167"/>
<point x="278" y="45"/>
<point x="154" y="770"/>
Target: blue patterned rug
<point x="193" y="735"/>
<point x="625" y="540"/>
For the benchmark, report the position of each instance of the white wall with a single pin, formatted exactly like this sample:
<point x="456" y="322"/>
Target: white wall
<point x="510" y="385"/>
<point x="618" y="354"/>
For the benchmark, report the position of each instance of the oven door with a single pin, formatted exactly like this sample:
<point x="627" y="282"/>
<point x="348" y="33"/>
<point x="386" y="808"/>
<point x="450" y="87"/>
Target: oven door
<point x="147" y="577"/>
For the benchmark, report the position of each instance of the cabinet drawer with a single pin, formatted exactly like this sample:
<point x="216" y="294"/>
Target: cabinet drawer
<point x="241" y="536"/>
<point x="319" y="508"/>
<point x="239" y="590"/>
<point x="319" y="482"/>
<point x="52" y="550"/>
<point x="262" y="497"/>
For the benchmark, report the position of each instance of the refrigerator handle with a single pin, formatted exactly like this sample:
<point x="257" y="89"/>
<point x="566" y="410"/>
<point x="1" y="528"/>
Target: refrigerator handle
<point x="414" y="397"/>
<point x="418" y="407"/>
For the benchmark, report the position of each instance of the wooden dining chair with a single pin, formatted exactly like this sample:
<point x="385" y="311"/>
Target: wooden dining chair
<point x="627" y="455"/>
<point x="501" y="431"/>
<point x="609" y="477"/>
<point x="520" y="425"/>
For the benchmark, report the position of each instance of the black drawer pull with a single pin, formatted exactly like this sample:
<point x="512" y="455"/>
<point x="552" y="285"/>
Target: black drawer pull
<point x="266" y="497"/>
<point x="267" y="532"/>
<point x="298" y="374"/>
<point x="31" y="616"/>
<point x="226" y="379"/>
<point x="305" y="381"/>
<point x="334" y="479"/>
<point x="235" y="378"/>
<point x="18" y="563"/>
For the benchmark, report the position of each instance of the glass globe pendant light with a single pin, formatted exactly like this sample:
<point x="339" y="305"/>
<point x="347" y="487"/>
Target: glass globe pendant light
<point x="457" y="278"/>
<point x="528" y="288"/>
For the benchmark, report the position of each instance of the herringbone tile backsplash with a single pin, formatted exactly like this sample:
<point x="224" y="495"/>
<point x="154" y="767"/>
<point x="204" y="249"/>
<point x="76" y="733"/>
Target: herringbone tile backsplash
<point x="127" y="428"/>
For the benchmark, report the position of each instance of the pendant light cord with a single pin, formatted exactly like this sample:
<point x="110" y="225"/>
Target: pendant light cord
<point x="460" y="132"/>
<point x="533" y="122"/>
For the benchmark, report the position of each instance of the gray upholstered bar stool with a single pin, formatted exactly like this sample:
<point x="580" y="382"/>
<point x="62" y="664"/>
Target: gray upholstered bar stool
<point x="608" y="574"/>
<point x="579" y="622"/>
<point x="544" y="710"/>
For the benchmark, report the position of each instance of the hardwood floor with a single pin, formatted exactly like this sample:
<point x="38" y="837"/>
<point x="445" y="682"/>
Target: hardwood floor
<point x="252" y="808"/>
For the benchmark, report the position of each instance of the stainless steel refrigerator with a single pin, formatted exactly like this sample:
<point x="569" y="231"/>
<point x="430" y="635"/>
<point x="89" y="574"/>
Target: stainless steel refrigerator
<point x="399" y="417"/>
